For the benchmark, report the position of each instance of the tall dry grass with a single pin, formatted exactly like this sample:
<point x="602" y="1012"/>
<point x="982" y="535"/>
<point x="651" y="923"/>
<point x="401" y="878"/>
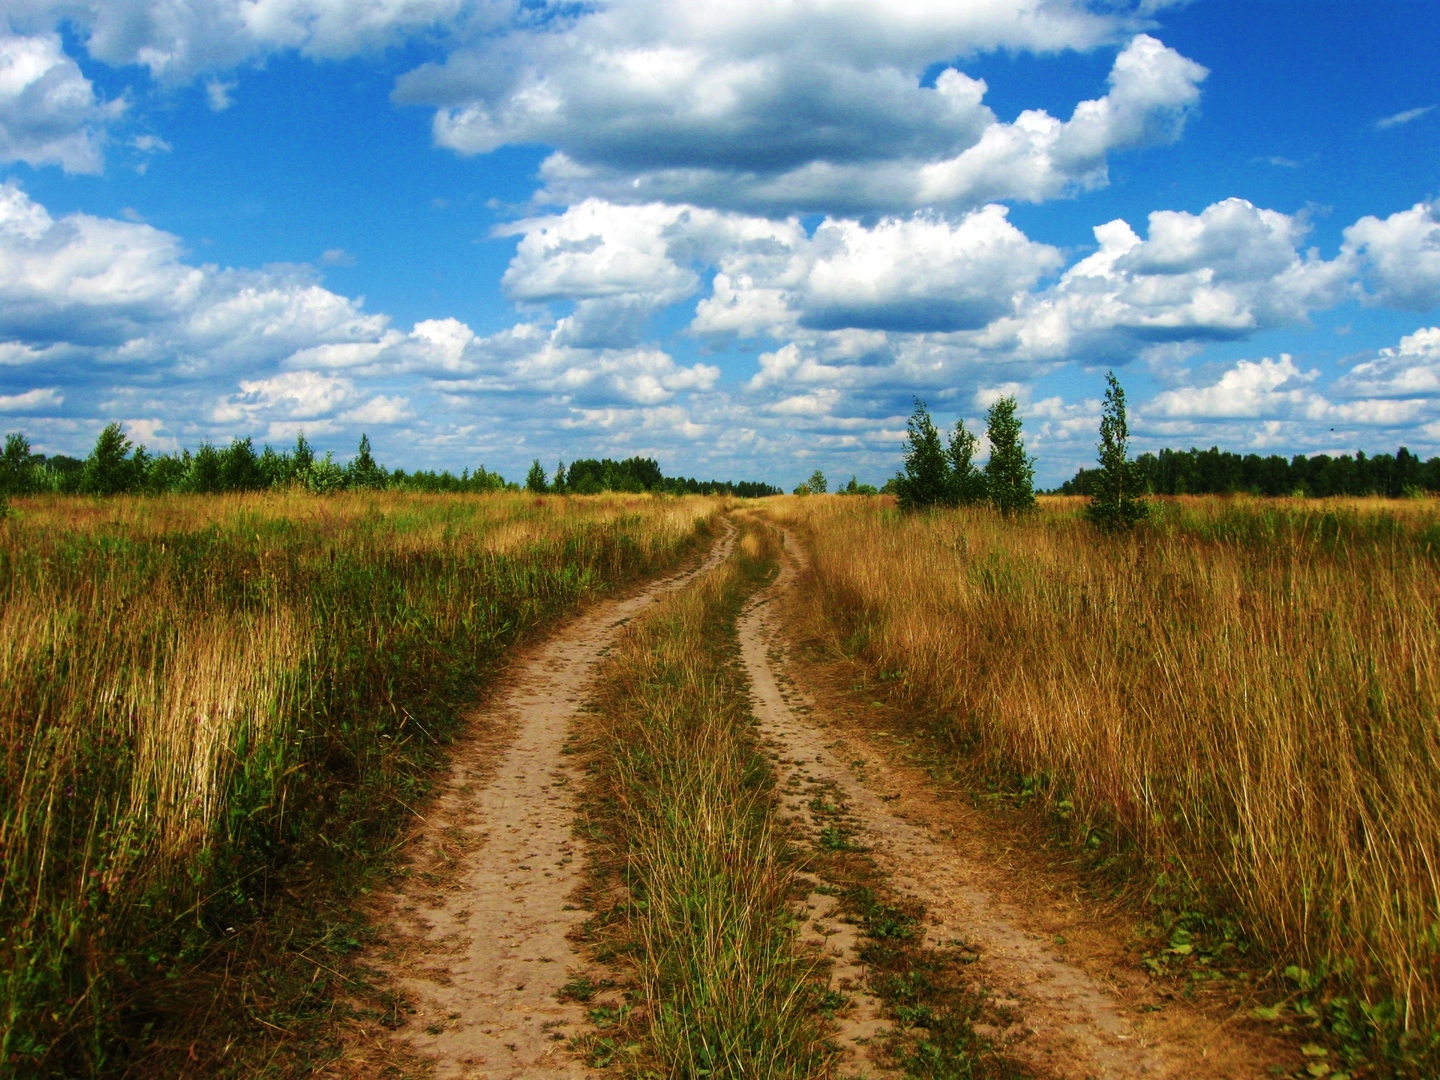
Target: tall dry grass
<point x="682" y="809"/>
<point x="1245" y="692"/>
<point x="206" y="699"/>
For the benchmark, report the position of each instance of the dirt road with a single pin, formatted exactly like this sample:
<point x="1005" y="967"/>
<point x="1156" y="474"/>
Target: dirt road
<point x="1078" y="1021"/>
<point x="479" y="927"/>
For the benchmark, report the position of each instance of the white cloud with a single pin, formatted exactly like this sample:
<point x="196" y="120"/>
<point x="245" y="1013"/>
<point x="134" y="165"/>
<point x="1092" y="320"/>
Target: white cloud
<point x="42" y="399"/>
<point x="380" y="410"/>
<point x="218" y="95"/>
<point x="1252" y="388"/>
<point x="597" y="250"/>
<point x="49" y="112"/>
<point x="291" y="395"/>
<point x="805" y="106"/>
<point x="1227" y="272"/>
<point x="1401" y="255"/>
<point x="180" y="39"/>
<point x="1411" y="369"/>
<point x="620" y="263"/>
<point x="122" y="291"/>
<point x="150" y="144"/>
<point x="920" y="274"/>
<point x="1278" y="390"/>
<point x="1152" y="90"/>
<point x="1402" y="117"/>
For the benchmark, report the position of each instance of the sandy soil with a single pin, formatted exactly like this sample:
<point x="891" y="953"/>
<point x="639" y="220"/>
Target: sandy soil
<point x="1086" y="1012"/>
<point x="477" y="930"/>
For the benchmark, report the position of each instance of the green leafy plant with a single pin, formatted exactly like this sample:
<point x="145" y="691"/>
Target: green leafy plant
<point x="1010" y="472"/>
<point x="1115" y="503"/>
<point x="925" y="478"/>
<point x="967" y="482"/>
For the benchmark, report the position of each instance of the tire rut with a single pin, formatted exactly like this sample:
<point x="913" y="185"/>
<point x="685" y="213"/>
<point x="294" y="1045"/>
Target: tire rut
<point x="483" y="943"/>
<point x="1073" y="1025"/>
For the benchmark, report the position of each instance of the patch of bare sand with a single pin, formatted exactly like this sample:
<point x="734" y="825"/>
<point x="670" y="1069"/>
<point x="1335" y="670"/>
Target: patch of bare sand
<point x="475" y="936"/>
<point x="1089" y="1012"/>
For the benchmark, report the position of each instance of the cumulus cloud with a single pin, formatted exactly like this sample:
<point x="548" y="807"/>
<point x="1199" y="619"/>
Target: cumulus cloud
<point x="1410" y="369"/>
<point x="177" y="41"/>
<point x="1292" y="401"/>
<point x="810" y="106"/>
<point x="124" y="291"/>
<point x="920" y="274"/>
<point x="1227" y="272"/>
<point x="291" y="395"/>
<point x="1252" y="388"/>
<point x="597" y="250"/>
<point x="49" y="112"/>
<point x="923" y="272"/>
<point x="41" y="399"/>
<point x="1401" y="255"/>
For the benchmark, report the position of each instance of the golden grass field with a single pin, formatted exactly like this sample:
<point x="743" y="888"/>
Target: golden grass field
<point x="1243" y="695"/>
<point x="208" y="702"/>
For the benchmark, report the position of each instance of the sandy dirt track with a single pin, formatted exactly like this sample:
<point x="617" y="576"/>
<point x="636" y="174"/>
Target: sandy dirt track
<point x="1077" y="1022"/>
<point x="479" y="929"/>
<point x="482" y="942"/>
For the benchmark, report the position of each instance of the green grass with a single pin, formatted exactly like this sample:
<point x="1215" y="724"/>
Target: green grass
<point x="215" y="714"/>
<point x="682" y="805"/>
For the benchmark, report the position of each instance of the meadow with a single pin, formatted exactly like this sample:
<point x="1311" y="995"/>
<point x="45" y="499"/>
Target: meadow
<point x="214" y="706"/>
<point x="1238" y="703"/>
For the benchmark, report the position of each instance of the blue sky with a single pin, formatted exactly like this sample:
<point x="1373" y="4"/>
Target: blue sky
<point x="738" y="236"/>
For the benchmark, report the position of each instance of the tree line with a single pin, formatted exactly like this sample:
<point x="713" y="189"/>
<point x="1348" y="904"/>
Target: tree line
<point x="589" y="476"/>
<point x="943" y="473"/>
<point x="1220" y="472"/>
<point x="117" y="466"/>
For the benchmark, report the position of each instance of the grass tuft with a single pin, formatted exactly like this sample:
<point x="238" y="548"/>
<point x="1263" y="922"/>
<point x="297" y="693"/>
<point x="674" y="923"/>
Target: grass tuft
<point x="690" y="847"/>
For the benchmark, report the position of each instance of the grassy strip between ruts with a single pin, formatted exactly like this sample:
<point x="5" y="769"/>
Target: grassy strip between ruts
<point x="943" y="1026"/>
<point x="693" y="880"/>
<point x="215" y="715"/>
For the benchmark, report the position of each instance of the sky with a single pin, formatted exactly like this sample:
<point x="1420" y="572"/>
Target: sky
<point x="741" y="237"/>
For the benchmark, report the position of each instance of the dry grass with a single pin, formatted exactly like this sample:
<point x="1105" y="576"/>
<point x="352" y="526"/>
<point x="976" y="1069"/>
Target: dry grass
<point x="209" y="703"/>
<point x="683" y="811"/>
<point x="1244" y="694"/>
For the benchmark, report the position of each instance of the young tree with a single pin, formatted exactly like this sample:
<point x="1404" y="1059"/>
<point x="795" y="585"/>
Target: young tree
<point x="240" y="468"/>
<point x="202" y="474"/>
<point x="535" y="479"/>
<point x="363" y="472"/>
<point x="1115" y="503"/>
<point x="967" y="483"/>
<point x="562" y="482"/>
<point x="301" y="458"/>
<point x="110" y="469"/>
<point x="817" y="482"/>
<point x="1010" y="472"/>
<point x="18" y="472"/>
<point x="324" y="476"/>
<point x="925" y="479"/>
